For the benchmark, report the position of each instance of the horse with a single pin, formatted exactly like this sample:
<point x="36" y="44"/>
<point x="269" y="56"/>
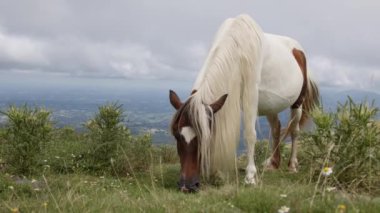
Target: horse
<point x="247" y="73"/>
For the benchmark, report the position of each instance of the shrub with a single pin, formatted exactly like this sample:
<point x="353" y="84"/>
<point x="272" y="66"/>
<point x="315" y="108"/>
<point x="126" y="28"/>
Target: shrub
<point x="348" y="141"/>
<point x="112" y="149"/>
<point x="106" y="132"/>
<point x="26" y="133"/>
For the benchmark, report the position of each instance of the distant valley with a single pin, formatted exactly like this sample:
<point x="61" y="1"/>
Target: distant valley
<point x="146" y="110"/>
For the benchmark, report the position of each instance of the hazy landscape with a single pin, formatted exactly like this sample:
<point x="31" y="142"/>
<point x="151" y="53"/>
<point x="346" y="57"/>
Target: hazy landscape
<point x="147" y="109"/>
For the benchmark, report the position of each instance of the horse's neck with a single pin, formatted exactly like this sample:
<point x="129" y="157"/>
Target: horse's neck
<point x="235" y="55"/>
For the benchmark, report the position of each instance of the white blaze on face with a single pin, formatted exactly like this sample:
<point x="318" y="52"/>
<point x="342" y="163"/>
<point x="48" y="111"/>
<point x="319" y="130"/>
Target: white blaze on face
<point x="188" y="133"/>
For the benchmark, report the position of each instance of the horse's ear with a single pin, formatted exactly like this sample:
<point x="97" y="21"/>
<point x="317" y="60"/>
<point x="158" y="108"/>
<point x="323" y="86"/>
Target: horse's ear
<point x="174" y="100"/>
<point x="217" y="105"/>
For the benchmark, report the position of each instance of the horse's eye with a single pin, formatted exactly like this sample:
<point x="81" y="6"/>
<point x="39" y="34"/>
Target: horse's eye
<point x="177" y="136"/>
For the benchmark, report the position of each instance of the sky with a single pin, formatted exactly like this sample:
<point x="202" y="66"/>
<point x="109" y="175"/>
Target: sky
<point x="165" y="42"/>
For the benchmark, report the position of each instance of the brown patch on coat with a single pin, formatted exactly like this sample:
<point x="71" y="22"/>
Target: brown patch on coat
<point x="301" y="60"/>
<point x="309" y="96"/>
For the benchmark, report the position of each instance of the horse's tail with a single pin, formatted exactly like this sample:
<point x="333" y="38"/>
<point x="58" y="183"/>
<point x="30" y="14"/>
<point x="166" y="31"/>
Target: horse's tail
<point x="311" y="101"/>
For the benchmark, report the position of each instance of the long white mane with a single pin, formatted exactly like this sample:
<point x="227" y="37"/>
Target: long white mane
<point x="233" y="65"/>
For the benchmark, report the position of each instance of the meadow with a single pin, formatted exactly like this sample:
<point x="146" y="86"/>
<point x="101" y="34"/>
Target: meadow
<point x="107" y="169"/>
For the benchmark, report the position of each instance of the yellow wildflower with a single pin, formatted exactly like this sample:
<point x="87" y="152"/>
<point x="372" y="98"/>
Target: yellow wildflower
<point x="341" y="208"/>
<point x="44" y="204"/>
<point x="15" y="210"/>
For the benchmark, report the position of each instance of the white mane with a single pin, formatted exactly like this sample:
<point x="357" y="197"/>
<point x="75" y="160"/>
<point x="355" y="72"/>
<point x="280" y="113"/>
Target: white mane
<point x="233" y="65"/>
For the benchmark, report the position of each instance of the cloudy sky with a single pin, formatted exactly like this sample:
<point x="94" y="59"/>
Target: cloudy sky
<point x="167" y="40"/>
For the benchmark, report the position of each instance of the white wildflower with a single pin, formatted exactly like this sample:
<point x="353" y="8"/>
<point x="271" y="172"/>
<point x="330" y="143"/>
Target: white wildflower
<point x="283" y="209"/>
<point x="330" y="189"/>
<point x="327" y="171"/>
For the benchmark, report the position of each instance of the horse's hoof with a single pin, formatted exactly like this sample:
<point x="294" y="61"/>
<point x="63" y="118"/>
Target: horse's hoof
<point x="292" y="169"/>
<point x="250" y="181"/>
<point x="292" y="166"/>
<point x="270" y="167"/>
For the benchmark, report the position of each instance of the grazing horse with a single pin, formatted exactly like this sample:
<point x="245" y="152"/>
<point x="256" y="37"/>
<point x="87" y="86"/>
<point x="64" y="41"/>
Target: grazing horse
<point x="247" y="73"/>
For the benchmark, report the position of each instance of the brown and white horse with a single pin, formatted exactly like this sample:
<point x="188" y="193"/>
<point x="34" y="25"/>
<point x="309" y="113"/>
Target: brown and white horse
<point x="262" y="74"/>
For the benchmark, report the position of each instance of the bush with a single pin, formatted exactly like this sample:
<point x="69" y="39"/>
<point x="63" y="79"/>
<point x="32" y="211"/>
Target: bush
<point x="106" y="132"/>
<point x="112" y="149"/>
<point x="26" y="133"/>
<point x="347" y="141"/>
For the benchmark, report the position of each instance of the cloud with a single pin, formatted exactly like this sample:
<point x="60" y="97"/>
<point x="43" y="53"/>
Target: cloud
<point x="21" y="50"/>
<point x="335" y="73"/>
<point x="79" y="57"/>
<point x="138" y="39"/>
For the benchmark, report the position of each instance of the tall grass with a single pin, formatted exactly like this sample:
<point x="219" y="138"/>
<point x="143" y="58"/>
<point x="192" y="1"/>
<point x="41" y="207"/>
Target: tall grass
<point x="348" y="142"/>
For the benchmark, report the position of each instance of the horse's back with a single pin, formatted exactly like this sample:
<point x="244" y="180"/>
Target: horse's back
<point x="281" y="76"/>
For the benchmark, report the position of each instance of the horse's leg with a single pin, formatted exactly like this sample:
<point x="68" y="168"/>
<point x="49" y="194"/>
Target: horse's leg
<point x="250" y="106"/>
<point x="294" y="132"/>
<point x="273" y="162"/>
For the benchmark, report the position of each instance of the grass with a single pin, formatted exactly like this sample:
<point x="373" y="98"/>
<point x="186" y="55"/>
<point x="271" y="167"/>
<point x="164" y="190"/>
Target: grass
<point x="155" y="191"/>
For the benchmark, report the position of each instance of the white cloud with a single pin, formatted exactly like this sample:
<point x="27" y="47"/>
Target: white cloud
<point x="80" y="57"/>
<point x="336" y="73"/>
<point x="16" y="49"/>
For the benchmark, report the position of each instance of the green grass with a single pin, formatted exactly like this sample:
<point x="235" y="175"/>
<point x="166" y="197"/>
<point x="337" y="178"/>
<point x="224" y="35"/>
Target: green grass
<point x="155" y="191"/>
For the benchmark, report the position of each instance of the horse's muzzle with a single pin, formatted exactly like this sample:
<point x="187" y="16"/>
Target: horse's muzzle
<point x="189" y="187"/>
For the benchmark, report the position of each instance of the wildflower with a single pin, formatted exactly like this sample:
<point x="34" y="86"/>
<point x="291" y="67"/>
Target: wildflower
<point x="15" y="210"/>
<point x="330" y="189"/>
<point x="37" y="189"/>
<point x="57" y="157"/>
<point x="11" y="187"/>
<point x="341" y="208"/>
<point x="101" y="177"/>
<point x="34" y="180"/>
<point x="326" y="171"/>
<point x="44" y="204"/>
<point x="72" y="155"/>
<point x="283" y="195"/>
<point x="45" y="161"/>
<point x="283" y="209"/>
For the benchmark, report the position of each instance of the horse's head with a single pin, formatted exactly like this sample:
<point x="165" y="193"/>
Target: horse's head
<point x="188" y="136"/>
